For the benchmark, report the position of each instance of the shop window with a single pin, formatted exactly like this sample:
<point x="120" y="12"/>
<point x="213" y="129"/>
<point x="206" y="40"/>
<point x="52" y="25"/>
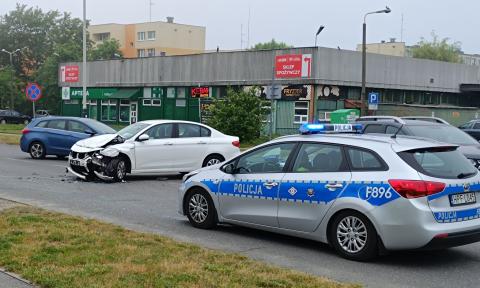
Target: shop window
<point x="180" y="103"/>
<point x="140" y="52"/>
<point x="156" y="102"/>
<point x="147" y="92"/>
<point x="324" y="116"/>
<point x="92" y="109"/>
<point x="109" y="110"/>
<point x="181" y="93"/>
<point x="354" y="93"/>
<point x="151" y="52"/>
<point x="151" y="35"/>
<point x="124" y="110"/>
<point x="147" y="102"/>
<point x="431" y="98"/>
<point x="170" y="92"/>
<point x="141" y="36"/>
<point x="301" y="112"/>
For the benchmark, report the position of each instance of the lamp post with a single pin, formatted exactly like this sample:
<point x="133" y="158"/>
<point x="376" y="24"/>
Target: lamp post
<point x="84" y="68"/>
<point x="11" y="53"/>
<point x="320" y="29"/>
<point x="364" y="57"/>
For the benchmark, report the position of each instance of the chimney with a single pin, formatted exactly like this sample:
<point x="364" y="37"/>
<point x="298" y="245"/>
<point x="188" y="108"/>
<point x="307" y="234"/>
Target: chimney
<point x="169" y="19"/>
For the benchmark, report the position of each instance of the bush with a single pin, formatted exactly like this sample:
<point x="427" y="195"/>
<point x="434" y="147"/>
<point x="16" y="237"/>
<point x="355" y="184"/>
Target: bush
<point x="240" y="114"/>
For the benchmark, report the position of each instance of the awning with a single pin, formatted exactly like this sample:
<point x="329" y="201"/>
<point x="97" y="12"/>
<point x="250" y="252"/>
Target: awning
<point x="131" y="94"/>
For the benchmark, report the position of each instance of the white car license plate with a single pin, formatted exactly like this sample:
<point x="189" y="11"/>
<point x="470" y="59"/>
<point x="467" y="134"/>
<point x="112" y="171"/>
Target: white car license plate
<point x="462" y="199"/>
<point x="75" y="162"/>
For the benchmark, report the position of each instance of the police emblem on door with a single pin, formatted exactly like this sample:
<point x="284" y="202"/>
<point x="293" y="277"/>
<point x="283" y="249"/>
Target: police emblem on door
<point x="292" y="191"/>
<point x="310" y="192"/>
<point x="466" y="187"/>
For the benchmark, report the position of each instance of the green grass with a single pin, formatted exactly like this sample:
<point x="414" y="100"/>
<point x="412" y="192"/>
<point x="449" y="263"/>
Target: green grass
<point x="56" y="250"/>
<point x="11" y="128"/>
<point x="10" y="139"/>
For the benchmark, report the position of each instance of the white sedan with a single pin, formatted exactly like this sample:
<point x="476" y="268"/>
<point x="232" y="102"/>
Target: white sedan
<point x="151" y="147"/>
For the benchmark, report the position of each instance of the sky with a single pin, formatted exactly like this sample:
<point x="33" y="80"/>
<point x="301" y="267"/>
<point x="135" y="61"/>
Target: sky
<point x="292" y="21"/>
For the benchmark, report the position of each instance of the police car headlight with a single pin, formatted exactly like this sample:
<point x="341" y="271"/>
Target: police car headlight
<point x="473" y="161"/>
<point x="189" y="175"/>
<point x="110" y="152"/>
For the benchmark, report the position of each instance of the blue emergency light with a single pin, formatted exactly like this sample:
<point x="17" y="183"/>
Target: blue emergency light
<point x="309" y="128"/>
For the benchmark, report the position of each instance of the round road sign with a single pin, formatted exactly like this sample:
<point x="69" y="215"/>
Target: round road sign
<point x="33" y="92"/>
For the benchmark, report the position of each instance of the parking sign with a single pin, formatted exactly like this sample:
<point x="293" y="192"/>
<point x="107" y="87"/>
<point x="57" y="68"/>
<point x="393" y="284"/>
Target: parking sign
<point x="373" y="99"/>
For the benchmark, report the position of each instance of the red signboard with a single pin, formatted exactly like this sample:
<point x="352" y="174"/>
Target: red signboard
<point x="200" y="92"/>
<point x="70" y="73"/>
<point x="293" y="66"/>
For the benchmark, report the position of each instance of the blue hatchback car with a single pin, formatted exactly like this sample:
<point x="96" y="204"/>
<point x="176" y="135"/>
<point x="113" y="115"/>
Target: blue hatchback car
<point x="56" y="135"/>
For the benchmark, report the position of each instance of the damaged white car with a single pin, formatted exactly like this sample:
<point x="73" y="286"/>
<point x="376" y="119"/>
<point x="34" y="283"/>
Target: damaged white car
<point x="149" y="148"/>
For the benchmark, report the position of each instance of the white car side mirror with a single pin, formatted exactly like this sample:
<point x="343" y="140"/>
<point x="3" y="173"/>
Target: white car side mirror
<point x="143" y="137"/>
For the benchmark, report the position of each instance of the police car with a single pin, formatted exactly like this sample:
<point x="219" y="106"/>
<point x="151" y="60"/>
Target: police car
<point x="362" y="194"/>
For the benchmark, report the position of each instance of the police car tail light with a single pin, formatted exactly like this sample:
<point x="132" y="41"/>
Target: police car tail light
<point x="236" y="143"/>
<point x="415" y="188"/>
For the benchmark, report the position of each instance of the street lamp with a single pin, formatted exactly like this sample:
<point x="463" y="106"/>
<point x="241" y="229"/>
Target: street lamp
<point x="320" y="29"/>
<point x="84" y="68"/>
<point x="11" y="53"/>
<point x="364" y="57"/>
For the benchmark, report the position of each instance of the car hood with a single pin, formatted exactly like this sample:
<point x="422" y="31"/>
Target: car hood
<point x="470" y="151"/>
<point x="96" y="141"/>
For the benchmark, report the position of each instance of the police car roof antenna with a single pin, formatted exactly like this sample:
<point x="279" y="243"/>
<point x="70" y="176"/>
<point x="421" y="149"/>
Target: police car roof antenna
<point x="394" y="136"/>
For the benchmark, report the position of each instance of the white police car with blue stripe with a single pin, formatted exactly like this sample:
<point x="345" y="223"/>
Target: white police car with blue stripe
<point x="362" y="194"/>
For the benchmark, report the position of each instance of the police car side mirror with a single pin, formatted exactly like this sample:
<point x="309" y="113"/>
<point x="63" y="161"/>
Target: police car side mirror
<point x="229" y="168"/>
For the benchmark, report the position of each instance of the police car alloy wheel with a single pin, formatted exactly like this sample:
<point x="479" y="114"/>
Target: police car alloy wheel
<point x="353" y="236"/>
<point x="200" y="210"/>
<point x="37" y="150"/>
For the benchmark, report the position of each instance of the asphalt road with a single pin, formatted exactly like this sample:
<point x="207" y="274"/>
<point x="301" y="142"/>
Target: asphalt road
<point x="149" y="204"/>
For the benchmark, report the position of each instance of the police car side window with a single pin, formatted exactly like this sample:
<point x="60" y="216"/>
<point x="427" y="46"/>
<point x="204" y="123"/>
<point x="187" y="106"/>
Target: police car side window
<point x="317" y="157"/>
<point x="365" y="160"/>
<point x="270" y="159"/>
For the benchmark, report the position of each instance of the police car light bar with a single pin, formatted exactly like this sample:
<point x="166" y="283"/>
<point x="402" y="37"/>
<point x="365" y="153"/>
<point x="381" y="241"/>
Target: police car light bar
<point x="308" y="128"/>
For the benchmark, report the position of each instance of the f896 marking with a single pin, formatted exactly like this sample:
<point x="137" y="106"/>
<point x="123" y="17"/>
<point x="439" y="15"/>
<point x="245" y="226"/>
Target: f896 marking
<point x="378" y="192"/>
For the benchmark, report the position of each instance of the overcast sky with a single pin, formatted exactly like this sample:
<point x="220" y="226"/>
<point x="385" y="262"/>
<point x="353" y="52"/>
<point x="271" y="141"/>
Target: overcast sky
<point x="292" y="21"/>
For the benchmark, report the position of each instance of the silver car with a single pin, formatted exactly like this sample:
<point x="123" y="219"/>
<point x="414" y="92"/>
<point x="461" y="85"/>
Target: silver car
<point x="362" y="194"/>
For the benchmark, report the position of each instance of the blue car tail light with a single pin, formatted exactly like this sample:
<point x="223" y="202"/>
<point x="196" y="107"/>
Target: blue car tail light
<point x="309" y="128"/>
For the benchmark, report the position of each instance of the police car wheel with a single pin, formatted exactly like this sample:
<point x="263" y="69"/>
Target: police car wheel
<point x="200" y="209"/>
<point x="353" y="236"/>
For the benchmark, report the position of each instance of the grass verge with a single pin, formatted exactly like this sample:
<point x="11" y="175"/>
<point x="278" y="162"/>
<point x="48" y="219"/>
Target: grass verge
<point x="10" y="139"/>
<point x="12" y="128"/>
<point x="56" y="250"/>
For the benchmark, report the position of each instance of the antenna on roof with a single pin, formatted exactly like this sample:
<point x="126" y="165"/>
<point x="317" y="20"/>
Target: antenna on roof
<point x="150" y="4"/>
<point x="394" y="136"/>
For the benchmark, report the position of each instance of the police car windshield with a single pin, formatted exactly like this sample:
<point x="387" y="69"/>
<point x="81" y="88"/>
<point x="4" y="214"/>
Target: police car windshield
<point x="132" y="130"/>
<point x="443" y="133"/>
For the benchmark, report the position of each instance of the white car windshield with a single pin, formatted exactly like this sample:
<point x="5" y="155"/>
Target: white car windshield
<point x="132" y="130"/>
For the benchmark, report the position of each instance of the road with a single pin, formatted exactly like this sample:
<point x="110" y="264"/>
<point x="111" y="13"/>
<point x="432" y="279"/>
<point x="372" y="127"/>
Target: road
<point x="149" y="204"/>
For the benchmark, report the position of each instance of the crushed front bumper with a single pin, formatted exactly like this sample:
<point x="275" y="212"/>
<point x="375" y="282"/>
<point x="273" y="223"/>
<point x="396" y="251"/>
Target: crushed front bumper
<point x="80" y="165"/>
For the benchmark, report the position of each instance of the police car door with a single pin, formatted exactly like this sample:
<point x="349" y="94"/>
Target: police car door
<point x="250" y="193"/>
<point x="317" y="176"/>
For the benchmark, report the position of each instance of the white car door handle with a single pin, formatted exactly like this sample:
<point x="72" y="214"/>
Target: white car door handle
<point x="270" y="185"/>
<point x="201" y="142"/>
<point x="333" y="186"/>
<point x="168" y="143"/>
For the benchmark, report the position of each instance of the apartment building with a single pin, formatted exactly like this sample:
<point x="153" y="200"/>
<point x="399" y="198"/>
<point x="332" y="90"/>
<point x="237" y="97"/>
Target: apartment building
<point x="152" y="38"/>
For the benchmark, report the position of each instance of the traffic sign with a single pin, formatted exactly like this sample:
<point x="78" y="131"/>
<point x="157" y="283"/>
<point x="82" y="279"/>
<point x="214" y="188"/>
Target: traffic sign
<point x="33" y="92"/>
<point x="373" y="99"/>
<point x="274" y="92"/>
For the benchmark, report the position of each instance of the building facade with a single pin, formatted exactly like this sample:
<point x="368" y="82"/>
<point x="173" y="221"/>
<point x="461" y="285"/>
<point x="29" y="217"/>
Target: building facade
<point x="391" y="48"/>
<point x="180" y="87"/>
<point x="152" y="38"/>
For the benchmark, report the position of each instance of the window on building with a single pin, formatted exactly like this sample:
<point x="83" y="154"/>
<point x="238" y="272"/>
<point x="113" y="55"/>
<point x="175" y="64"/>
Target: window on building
<point x="109" y="110"/>
<point x="431" y="98"/>
<point x="147" y="102"/>
<point x="151" y="35"/>
<point x="181" y="93"/>
<point x="100" y="37"/>
<point x="151" y="52"/>
<point x="140" y="53"/>
<point x="92" y="109"/>
<point x="156" y="102"/>
<point x="170" y="92"/>
<point x="301" y="112"/>
<point x="124" y="110"/>
<point x="324" y="116"/>
<point x="141" y="36"/>
<point x="354" y="93"/>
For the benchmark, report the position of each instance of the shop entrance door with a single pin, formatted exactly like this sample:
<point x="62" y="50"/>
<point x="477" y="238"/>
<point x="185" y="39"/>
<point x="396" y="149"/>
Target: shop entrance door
<point x="133" y="112"/>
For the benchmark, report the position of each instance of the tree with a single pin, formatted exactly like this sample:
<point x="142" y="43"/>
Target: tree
<point x="241" y="113"/>
<point x="108" y="49"/>
<point x="271" y="45"/>
<point x="437" y="49"/>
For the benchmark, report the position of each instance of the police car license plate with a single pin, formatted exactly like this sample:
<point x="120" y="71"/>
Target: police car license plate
<point x="75" y="162"/>
<point x="462" y="199"/>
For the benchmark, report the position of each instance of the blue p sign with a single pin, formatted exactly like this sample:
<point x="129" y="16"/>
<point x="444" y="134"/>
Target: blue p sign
<point x="373" y="98"/>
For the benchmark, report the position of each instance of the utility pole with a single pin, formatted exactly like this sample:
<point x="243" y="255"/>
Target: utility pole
<point x="84" y="68"/>
<point x="12" y="73"/>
